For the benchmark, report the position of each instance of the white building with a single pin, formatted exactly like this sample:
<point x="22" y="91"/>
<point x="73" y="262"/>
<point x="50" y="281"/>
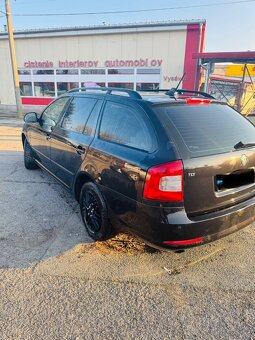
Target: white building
<point x="136" y="56"/>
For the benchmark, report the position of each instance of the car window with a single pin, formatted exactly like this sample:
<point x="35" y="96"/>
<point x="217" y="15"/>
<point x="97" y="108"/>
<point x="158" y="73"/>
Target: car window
<point x="52" y="113"/>
<point x="206" y="129"/>
<point x="92" y="121"/>
<point x="123" y="125"/>
<point x="77" y="114"/>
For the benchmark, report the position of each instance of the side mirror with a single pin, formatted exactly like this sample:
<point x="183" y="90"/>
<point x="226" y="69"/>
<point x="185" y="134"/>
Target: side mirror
<point x="30" y="117"/>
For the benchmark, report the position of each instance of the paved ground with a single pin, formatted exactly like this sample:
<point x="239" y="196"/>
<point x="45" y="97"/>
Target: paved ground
<point x="55" y="283"/>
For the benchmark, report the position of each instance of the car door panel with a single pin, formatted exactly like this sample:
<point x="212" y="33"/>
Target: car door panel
<point x="121" y="164"/>
<point x="39" y="141"/>
<point x="71" y="138"/>
<point x="68" y="151"/>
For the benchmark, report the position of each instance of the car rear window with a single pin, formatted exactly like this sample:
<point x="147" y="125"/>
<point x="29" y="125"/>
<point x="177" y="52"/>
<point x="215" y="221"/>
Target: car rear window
<point x="205" y="129"/>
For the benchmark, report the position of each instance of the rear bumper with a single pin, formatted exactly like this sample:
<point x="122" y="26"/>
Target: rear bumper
<point x="158" y="225"/>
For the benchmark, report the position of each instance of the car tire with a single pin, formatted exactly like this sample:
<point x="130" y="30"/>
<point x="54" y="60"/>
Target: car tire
<point x="94" y="212"/>
<point x="28" y="157"/>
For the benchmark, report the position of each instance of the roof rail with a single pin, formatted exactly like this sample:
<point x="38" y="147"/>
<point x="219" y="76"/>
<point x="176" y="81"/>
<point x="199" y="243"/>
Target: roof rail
<point x="173" y="91"/>
<point x="157" y="90"/>
<point x="109" y="90"/>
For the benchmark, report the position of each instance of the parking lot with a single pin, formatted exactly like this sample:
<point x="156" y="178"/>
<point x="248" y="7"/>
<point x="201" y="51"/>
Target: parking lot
<point x="57" y="284"/>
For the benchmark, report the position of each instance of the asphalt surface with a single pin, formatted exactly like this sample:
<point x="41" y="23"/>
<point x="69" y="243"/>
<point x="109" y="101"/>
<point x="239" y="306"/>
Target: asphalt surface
<point x="55" y="283"/>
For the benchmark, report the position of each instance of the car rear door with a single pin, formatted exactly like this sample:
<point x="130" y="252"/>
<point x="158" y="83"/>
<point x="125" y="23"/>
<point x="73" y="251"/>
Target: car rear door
<point x="121" y="154"/>
<point x="217" y="174"/>
<point x="72" y="136"/>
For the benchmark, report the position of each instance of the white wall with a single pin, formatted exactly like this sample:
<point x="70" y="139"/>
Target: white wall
<point x="168" y="46"/>
<point x="7" y="95"/>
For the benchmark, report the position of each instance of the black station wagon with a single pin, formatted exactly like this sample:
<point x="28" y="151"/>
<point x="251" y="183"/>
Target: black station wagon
<point x="174" y="169"/>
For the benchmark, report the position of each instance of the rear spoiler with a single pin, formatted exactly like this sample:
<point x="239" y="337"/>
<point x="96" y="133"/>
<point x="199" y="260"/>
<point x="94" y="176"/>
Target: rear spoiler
<point x="173" y="92"/>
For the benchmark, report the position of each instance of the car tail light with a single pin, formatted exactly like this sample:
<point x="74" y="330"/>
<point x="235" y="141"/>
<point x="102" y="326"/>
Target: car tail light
<point x="165" y="182"/>
<point x="184" y="242"/>
<point x="198" y="101"/>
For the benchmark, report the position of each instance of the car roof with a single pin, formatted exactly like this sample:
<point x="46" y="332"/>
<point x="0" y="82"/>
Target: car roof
<point x="151" y="96"/>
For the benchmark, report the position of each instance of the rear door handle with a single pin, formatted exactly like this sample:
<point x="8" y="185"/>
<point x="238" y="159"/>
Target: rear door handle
<point x="80" y="150"/>
<point x="48" y="137"/>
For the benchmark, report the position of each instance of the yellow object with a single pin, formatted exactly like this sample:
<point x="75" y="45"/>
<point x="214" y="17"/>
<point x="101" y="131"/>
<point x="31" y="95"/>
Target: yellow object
<point x="238" y="70"/>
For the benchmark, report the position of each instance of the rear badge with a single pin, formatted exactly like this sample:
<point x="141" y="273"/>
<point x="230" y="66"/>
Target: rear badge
<point x="244" y="160"/>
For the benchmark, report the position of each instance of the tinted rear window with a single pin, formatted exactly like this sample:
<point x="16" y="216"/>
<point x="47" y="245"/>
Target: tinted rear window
<point x="205" y="129"/>
<point x="123" y="125"/>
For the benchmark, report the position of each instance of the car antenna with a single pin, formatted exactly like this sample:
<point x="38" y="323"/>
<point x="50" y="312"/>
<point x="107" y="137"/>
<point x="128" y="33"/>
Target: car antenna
<point x="172" y="91"/>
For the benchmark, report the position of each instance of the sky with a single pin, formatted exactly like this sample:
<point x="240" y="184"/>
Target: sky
<point x="229" y="27"/>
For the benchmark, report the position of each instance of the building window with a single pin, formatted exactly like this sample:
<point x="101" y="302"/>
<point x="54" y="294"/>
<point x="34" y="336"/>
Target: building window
<point x="148" y="71"/>
<point x="101" y="84"/>
<point x="67" y="71"/>
<point x="55" y="82"/>
<point x="25" y="89"/>
<point x="43" y="71"/>
<point x="44" y="89"/>
<point x="92" y="84"/>
<point x="147" y="86"/>
<point x="122" y="85"/>
<point x="24" y="72"/>
<point x="64" y="87"/>
<point x="93" y="71"/>
<point x="121" y="71"/>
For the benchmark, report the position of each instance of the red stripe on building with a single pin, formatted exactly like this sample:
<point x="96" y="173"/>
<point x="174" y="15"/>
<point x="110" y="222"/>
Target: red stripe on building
<point x="36" y="101"/>
<point x="193" y="45"/>
<point x="199" y="69"/>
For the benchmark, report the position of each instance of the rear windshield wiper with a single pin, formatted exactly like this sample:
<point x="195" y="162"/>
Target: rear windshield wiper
<point x="241" y="145"/>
